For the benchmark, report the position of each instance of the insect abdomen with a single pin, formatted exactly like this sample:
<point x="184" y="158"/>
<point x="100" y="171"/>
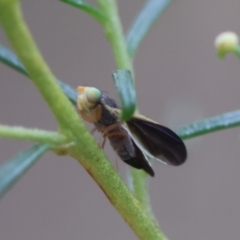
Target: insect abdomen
<point x="122" y="145"/>
<point x="128" y="151"/>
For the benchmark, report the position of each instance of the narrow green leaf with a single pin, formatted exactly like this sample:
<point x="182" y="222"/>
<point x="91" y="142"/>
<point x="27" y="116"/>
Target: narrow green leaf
<point x="11" y="60"/>
<point x="143" y="22"/>
<point x="14" y="169"/>
<point x="125" y="87"/>
<point x="224" y="121"/>
<point x="88" y="8"/>
<point x="69" y="91"/>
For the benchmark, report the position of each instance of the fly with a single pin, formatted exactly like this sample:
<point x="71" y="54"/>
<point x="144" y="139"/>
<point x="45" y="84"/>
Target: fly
<point x="135" y="141"/>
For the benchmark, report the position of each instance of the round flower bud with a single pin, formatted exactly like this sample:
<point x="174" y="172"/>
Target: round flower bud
<point x="226" y="42"/>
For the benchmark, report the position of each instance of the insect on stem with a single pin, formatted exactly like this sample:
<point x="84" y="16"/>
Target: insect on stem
<point x="136" y="141"/>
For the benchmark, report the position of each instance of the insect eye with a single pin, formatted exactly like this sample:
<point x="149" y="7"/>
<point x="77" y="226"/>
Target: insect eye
<point x="93" y="95"/>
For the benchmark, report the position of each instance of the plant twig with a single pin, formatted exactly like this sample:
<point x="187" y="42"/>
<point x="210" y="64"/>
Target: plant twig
<point x="37" y="135"/>
<point x="114" y="33"/>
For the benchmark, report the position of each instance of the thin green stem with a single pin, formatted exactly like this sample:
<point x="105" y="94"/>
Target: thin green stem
<point x="140" y="180"/>
<point x="114" y="33"/>
<point x="37" y="135"/>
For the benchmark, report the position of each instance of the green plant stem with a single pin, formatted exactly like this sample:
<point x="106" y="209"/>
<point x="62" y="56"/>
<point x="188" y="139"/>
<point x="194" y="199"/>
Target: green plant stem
<point x="140" y="181"/>
<point x="37" y="135"/>
<point x="85" y="149"/>
<point x="114" y="33"/>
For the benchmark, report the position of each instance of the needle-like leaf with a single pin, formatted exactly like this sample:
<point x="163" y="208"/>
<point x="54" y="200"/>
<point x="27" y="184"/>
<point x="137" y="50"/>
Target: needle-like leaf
<point x="143" y="22"/>
<point x="220" y="122"/>
<point x="14" y="169"/>
<point x="11" y="60"/>
<point x="125" y="87"/>
<point x="87" y="7"/>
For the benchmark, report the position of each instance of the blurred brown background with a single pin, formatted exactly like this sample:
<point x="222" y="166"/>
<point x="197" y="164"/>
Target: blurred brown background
<point x="179" y="80"/>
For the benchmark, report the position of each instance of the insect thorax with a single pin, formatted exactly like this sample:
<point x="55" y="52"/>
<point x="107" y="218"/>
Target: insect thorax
<point x="112" y="128"/>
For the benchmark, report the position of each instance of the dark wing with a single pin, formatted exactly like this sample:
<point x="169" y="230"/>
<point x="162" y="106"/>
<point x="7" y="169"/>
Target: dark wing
<point x="161" y="142"/>
<point x="139" y="161"/>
